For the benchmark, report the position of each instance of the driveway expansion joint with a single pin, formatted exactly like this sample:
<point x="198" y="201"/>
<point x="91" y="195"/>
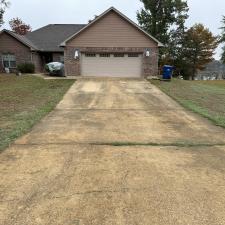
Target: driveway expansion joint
<point x="125" y="144"/>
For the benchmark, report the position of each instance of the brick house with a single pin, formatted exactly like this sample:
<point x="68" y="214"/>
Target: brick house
<point x="110" y="45"/>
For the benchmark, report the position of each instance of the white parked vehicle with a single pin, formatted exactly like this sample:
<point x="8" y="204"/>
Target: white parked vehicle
<point x="55" y="68"/>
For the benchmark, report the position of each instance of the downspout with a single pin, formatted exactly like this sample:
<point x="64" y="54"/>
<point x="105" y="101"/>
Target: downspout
<point x="31" y="57"/>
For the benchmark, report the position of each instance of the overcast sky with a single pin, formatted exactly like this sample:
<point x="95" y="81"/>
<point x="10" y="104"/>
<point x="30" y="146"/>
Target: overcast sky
<point x="42" y="12"/>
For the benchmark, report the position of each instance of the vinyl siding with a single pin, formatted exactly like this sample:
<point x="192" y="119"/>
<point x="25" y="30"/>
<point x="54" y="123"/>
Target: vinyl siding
<point x="112" y="31"/>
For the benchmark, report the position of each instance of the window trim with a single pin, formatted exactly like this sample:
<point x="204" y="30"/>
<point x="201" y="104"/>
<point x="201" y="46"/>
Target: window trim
<point x="133" y="55"/>
<point x="104" y="55"/>
<point x="9" y="61"/>
<point x="90" y="55"/>
<point x="119" y="55"/>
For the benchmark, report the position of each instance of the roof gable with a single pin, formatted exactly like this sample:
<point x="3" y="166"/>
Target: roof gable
<point x="112" y="9"/>
<point x="21" y="38"/>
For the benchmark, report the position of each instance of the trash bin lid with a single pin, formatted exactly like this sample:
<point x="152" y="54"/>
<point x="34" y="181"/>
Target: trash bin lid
<point x="168" y="66"/>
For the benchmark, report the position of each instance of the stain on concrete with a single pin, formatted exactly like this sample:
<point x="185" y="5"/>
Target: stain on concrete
<point x="57" y="174"/>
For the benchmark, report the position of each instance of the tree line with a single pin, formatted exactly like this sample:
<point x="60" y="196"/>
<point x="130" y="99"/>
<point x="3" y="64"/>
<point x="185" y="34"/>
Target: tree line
<point x="188" y="49"/>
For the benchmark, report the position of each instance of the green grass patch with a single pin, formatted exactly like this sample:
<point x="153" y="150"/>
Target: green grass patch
<point x="206" y="98"/>
<point x="24" y="101"/>
<point x="174" y="144"/>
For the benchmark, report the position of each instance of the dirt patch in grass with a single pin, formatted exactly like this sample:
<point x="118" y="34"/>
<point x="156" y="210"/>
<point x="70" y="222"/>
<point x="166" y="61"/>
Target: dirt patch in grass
<point x="24" y="101"/>
<point x="206" y="98"/>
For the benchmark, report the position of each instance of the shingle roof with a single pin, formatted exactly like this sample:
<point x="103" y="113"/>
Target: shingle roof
<point x="50" y="37"/>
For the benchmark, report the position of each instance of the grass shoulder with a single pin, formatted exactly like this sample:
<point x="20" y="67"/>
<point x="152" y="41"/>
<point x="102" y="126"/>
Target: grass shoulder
<point x="206" y="98"/>
<point x="24" y="101"/>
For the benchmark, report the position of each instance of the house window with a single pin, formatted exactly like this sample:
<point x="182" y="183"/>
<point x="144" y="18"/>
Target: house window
<point x="9" y="61"/>
<point x="104" y="55"/>
<point x="133" y="55"/>
<point x="90" y="55"/>
<point x="118" y="55"/>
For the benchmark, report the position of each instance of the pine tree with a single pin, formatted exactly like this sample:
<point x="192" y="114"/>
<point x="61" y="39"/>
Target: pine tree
<point x="159" y="16"/>
<point x="222" y="39"/>
<point x="165" y="19"/>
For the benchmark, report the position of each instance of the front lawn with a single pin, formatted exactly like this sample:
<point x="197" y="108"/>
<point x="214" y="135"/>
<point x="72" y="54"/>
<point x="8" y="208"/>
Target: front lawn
<point x="24" y="101"/>
<point x="204" y="97"/>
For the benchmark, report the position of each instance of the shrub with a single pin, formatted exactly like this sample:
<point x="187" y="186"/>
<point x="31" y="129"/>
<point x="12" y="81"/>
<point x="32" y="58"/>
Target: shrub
<point x="26" y="68"/>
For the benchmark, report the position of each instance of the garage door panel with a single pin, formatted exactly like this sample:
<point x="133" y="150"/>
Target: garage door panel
<point x="111" y="66"/>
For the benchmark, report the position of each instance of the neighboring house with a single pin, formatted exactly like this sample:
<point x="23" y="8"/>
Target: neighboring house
<point x="110" y="45"/>
<point x="214" y="70"/>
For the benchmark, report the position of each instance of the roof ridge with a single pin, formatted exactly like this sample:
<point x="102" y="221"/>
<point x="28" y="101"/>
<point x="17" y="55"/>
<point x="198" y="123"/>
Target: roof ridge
<point x="53" y="24"/>
<point x="68" y="24"/>
<point x="40" y="28"/>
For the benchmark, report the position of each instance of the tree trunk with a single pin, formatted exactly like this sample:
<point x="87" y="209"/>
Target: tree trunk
<point x="193" y="74"/>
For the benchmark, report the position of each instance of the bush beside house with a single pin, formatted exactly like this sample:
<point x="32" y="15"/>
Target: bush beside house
<point x="26" y="68"/>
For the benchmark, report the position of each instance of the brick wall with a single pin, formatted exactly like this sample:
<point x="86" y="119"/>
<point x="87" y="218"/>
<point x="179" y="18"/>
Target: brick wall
<point x="72" y="66"/>
<point x="150" y="64"/>
<point x="57" y="56"/>
<point x="10" y="45"/>
<point x="37" y="61"/>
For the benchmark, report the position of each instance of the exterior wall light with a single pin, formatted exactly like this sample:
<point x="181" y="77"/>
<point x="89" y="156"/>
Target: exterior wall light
<point x="147" y="53"/>
<point x="76" y="54"/>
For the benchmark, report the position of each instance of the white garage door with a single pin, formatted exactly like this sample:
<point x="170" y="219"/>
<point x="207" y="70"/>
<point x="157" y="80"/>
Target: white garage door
<point x="111" y="65"/>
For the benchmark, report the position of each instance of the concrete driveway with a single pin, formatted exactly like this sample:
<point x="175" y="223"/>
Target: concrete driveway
<point x="115" y="152"/>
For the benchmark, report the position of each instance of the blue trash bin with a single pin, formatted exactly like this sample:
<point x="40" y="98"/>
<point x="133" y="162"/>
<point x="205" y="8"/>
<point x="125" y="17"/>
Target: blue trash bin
<point x="167" y="72"/>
